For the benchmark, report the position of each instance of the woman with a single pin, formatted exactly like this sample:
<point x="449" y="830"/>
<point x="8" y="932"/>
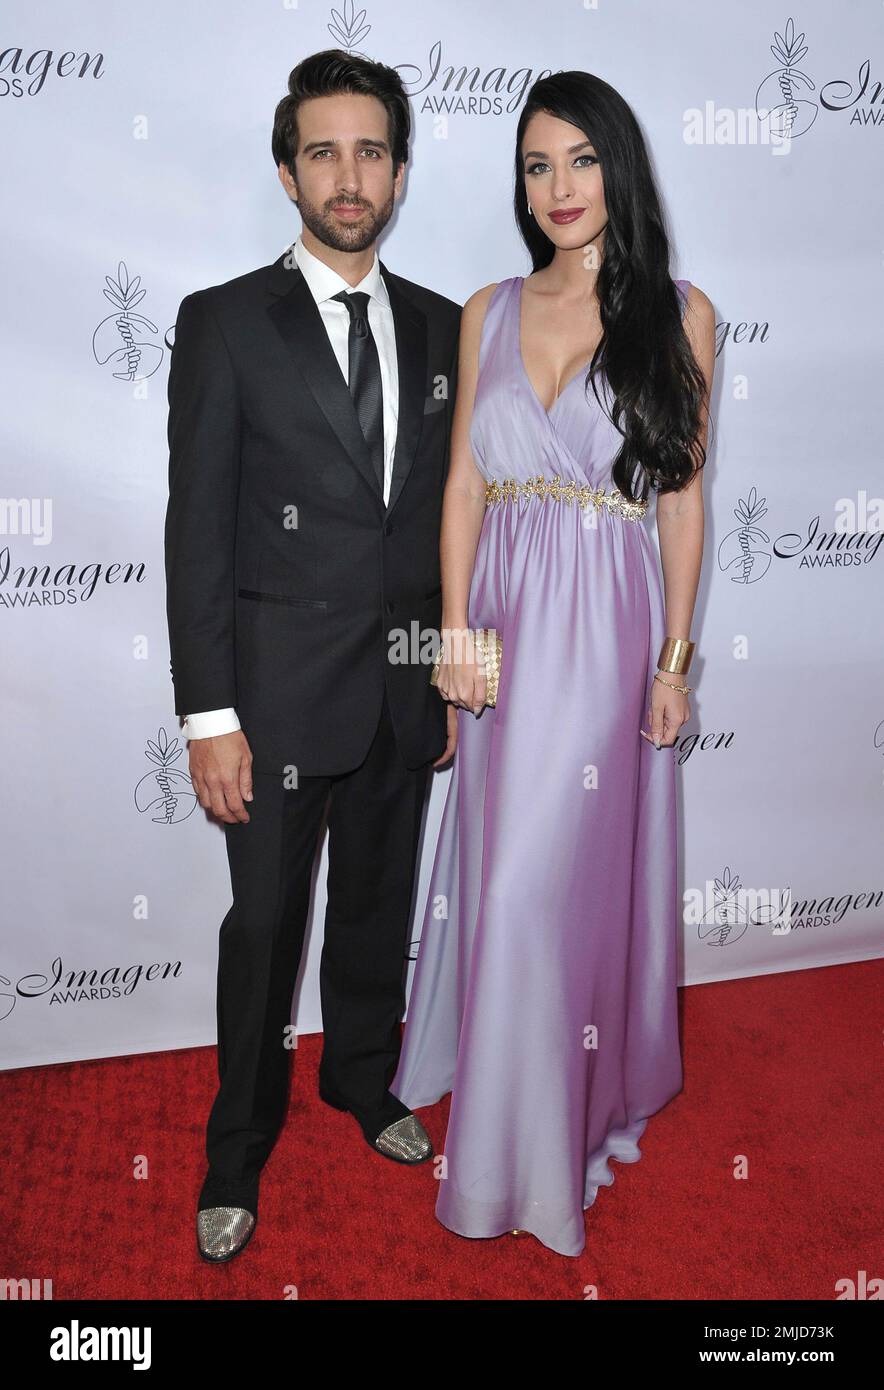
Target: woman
<point x="544" y="996"/>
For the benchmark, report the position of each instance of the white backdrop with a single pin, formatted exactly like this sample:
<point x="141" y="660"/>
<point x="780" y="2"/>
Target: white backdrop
<point x="137" y="168"/>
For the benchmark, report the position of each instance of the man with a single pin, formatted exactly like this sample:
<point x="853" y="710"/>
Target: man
<point x="309" y="413"/>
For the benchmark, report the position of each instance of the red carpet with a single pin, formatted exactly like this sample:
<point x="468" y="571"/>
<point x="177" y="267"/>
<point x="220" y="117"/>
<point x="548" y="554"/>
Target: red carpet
<point x="787" y="1070"/>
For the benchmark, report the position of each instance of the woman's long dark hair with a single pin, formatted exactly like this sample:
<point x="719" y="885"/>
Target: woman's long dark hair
<point x="655" y="382"/>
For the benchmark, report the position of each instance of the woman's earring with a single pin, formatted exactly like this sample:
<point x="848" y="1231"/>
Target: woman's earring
<point x="530" y="210"/>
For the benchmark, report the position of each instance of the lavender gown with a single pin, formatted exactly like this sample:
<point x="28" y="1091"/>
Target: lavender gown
<point x="544" y="994"/>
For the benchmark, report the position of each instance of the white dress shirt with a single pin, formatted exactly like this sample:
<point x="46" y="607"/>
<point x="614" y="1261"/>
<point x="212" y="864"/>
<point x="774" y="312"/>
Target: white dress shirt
<point x="323" y="282"/>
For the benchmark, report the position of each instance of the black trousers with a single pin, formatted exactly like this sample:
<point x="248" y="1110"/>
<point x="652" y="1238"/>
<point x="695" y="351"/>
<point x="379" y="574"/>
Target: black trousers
<point x="374" y="829"/>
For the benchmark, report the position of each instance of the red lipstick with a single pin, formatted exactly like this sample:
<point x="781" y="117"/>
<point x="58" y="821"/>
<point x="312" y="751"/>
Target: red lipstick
<point x="566" y="215"/>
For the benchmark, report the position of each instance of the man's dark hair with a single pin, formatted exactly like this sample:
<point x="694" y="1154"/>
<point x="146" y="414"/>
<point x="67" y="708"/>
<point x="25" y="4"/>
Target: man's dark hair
<point x="327" y="73"/>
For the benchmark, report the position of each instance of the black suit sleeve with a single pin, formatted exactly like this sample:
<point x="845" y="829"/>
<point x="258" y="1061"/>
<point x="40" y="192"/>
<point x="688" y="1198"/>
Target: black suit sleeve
<point x="200" y="531"/>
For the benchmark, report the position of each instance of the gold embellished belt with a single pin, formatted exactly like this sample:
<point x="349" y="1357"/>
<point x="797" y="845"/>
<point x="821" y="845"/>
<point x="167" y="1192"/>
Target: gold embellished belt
<point x="510" y="490"/>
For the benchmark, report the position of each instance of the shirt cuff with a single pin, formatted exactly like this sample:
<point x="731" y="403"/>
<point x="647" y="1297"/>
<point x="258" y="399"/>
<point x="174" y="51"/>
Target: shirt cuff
<point x="211" y="723"/>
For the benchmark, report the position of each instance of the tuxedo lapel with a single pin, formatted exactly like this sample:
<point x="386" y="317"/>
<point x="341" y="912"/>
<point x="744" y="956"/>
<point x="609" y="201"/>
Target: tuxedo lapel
<point x="298" y="321"/>
<point x="411" y="358"/>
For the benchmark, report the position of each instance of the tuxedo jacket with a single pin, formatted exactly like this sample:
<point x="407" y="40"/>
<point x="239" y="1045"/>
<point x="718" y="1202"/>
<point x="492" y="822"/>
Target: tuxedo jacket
<point x="288" y="580"/>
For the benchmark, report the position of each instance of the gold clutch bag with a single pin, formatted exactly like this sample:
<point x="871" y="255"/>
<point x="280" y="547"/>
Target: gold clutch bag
<point x="486" y="650"/>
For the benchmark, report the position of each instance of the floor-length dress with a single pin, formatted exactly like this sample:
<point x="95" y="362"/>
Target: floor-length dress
<point x="544" y="994"/>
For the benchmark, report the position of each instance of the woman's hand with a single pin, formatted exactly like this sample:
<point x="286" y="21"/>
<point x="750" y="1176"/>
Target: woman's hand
<point x="461" y="676"/>
<point x="668" y="710"/>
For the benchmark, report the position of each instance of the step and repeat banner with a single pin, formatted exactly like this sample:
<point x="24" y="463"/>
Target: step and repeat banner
<point x="137" y="168"/>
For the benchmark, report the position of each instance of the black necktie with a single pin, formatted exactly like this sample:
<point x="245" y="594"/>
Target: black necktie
<point x="365" y="377"/>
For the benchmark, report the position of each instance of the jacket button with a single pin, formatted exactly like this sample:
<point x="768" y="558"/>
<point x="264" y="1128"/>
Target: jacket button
<point x="388" y="528"/>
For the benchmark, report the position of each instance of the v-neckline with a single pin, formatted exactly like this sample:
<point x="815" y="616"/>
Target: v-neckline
<point x="581" y="371"/>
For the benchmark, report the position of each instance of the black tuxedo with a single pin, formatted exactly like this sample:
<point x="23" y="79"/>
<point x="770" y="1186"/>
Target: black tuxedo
<point x="286" y="616"/>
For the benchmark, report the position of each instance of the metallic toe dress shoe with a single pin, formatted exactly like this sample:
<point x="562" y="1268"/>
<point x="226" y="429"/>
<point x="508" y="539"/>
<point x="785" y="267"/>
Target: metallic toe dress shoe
<point x="223" y="1231"/>
<point x="406" y="1141"/>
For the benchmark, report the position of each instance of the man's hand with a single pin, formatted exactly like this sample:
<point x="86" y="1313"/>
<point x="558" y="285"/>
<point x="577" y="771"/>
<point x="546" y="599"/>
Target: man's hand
<point x="221" y="772"/>
<point x="452" y="737"/>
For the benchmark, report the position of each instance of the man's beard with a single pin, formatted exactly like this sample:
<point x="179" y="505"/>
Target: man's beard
<point x="343" y="236"/>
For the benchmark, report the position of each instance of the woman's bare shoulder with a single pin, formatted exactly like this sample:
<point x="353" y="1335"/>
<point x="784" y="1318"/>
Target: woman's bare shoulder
<point x="474" y="310"/>
<point x="698" y="302"/>
<point x="477" y="303"/>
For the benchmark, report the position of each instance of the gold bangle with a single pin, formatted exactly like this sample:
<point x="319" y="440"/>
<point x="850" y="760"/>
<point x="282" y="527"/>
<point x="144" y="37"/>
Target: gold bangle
<point x="675" y="656"/>
<point x="685" y="689"/>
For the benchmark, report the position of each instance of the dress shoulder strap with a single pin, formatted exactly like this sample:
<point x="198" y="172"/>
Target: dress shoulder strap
<point x="496" y="311"/>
